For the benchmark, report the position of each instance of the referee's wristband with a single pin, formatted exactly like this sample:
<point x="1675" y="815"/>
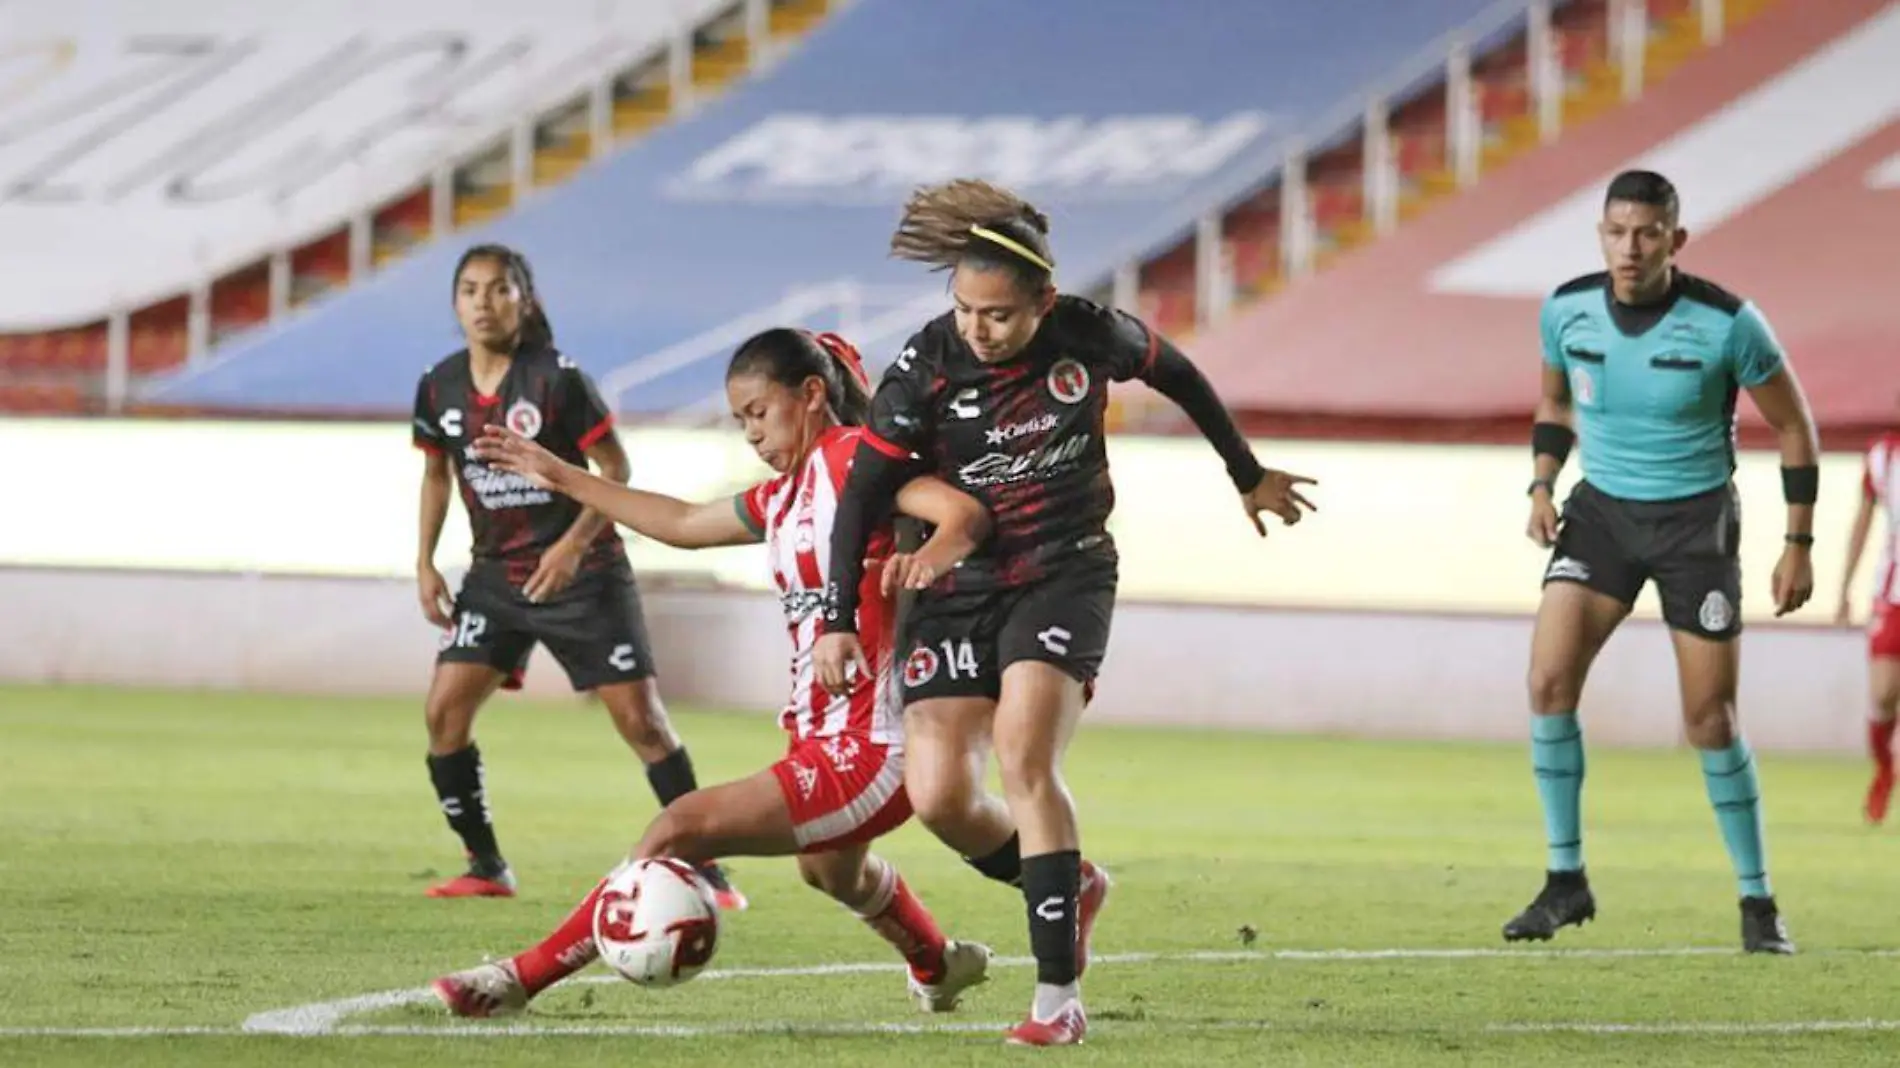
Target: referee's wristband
<point x="1800" y="485"/>
<point x="1553" y="440"/>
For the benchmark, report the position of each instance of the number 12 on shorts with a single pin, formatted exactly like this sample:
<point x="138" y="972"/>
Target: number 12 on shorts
<point x="466" y="632"/>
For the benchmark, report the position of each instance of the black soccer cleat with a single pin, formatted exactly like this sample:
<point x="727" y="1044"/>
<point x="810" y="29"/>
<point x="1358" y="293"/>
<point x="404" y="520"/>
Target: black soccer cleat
<point x="1762" y="929"/>
<point x="1564" y="901"/>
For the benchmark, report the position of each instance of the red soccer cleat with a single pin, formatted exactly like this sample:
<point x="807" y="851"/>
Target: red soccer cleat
<point x="472" y="884"/>
<point x="482" y="993"/>
<point x="1094" y="893"/>
<point x="725" y="895"/>
<point x="1066" y="1028"/>
<point x="1879" y="792"/>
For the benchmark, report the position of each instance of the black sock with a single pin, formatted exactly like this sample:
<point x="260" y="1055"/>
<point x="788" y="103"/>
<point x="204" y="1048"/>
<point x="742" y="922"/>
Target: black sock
<point x="1051" y="884"/>
<point x="458" y="783"/>
<point x="671" y="776"/>
<point x="1005" y="865"/>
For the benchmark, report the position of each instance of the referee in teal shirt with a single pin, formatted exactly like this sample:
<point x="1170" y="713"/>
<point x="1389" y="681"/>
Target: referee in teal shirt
<point x="1642" y="367"/>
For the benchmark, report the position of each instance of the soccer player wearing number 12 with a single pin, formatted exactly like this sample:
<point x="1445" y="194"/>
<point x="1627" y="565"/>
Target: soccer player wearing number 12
<point x="1647" y="361"/>
<point x="545" y="570"/>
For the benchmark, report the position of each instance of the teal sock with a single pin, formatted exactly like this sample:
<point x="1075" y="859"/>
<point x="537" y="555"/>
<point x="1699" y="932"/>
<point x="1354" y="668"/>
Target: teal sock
<point x="1735" y="791"/>
<point x="1557" y="758"/>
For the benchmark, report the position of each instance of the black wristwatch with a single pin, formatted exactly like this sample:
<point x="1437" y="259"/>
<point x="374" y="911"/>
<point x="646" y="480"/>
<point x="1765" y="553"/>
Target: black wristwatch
<point x="1800" y="539"/>
<point x="1549" y="484"/>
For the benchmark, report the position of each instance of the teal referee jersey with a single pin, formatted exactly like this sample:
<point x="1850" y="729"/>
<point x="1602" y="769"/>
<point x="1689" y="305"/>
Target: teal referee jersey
<point x="1654" y="386"/>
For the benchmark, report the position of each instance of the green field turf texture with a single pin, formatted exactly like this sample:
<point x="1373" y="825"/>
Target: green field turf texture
<point x="175" y="861"/>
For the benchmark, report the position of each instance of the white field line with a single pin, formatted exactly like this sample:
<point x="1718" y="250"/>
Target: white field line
<point x="1791" y="1027"/>
<point x="327" y="1017"/>
<point x="321" y="1016"/>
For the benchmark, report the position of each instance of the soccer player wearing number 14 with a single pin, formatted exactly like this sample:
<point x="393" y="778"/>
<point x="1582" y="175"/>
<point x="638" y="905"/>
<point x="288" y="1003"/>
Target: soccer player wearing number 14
<point x="1647" y="361"/>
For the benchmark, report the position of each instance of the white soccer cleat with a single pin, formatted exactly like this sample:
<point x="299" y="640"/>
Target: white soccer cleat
<point x="965" y="964"/>
<point x="481" y="993"/>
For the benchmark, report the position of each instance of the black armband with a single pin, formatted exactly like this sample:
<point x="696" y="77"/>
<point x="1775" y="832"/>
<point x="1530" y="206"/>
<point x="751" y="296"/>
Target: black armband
<point x="1800" y="485"/>
<point x="1553" y="440"/>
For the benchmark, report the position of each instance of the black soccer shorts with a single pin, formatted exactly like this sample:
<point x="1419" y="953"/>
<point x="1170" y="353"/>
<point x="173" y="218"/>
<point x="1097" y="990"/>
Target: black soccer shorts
<point x="959" y="645"/>
<point x="594" y="627"/>
<point x="1689" y="546"/>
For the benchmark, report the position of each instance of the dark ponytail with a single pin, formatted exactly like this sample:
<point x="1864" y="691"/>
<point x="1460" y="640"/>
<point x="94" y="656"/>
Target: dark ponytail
<point x="789" y="357"/>
<point x="536" y="331"/>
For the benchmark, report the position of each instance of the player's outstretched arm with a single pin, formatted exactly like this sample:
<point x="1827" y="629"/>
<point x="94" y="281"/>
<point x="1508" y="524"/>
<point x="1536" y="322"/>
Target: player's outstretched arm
<point x="609" y="457"/>
<point x="961" y="524"/>
<point x="1262" y="489"/>
<point x="681" y="524"/>
<point x="561" y="562"/>
<point x="1856" y="545"/>
<point x="1784" y="406"/>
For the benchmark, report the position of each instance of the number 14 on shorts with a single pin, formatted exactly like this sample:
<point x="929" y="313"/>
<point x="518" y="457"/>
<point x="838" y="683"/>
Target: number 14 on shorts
<point x="955" y="658"/>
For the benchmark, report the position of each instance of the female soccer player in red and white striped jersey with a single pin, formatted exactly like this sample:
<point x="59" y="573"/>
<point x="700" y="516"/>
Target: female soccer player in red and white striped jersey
<point x="1879" y="490"/>
<point x="801" y="400"/>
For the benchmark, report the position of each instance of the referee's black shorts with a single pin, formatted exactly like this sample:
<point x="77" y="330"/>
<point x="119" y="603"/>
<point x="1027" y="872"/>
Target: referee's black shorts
<point x="1689" y="546"/>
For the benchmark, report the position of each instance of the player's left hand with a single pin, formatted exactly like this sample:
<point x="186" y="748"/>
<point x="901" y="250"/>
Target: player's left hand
<point x="557" y="567"/>
<point x="1793" y="580"/>
<point x="1277" y="492"/>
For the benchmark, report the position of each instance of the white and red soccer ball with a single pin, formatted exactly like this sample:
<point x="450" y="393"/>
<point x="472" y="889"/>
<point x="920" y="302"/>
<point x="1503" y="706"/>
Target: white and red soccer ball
<point x="656" y="922"/>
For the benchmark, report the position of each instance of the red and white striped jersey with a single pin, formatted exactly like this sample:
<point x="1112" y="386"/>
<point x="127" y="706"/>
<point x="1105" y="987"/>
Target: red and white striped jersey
<point x="1881" y="484"/>
<point x="794" y="512"/>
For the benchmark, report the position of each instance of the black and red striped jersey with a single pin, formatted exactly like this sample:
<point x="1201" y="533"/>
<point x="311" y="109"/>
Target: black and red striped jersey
<point x="543" y="396"/>
<point x="1025" y="437"/>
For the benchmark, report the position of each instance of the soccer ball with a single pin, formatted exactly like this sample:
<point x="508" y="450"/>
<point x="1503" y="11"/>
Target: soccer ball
<point x="656" y="922"/>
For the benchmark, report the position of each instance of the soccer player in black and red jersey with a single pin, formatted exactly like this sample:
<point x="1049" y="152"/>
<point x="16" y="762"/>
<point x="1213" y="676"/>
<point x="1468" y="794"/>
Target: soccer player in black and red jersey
<point x="1004" y="397"/>
<point x="545" y="569"/>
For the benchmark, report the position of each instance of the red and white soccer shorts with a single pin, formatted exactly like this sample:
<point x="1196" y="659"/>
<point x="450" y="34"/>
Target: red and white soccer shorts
<point x="1883" y="631"/>
<point x="843" y="790"/>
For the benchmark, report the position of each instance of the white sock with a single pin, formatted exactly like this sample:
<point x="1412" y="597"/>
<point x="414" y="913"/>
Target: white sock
<point x="1050" y="1000"/>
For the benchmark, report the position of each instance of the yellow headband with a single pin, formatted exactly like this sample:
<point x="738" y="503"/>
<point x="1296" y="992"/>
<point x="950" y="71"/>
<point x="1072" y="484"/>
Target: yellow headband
<point x="1013" y="245"/>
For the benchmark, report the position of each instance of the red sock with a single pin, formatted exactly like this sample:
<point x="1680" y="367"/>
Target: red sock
<point x="900" y="918"/>
<point x="569" y="949"/>
<point x="1880" y="743"/>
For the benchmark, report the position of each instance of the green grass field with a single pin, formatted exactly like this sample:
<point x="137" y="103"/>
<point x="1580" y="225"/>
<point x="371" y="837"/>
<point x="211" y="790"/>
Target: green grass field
<point x="184" y="864"/>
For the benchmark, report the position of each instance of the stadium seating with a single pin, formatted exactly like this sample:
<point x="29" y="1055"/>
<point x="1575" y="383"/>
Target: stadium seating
<point x="1431" y="331"/>
<point x="776" y="204"/>
<point x="351" y="141"/>
<point x="1418" y="127"/>
<point x="1170" y="182"/>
